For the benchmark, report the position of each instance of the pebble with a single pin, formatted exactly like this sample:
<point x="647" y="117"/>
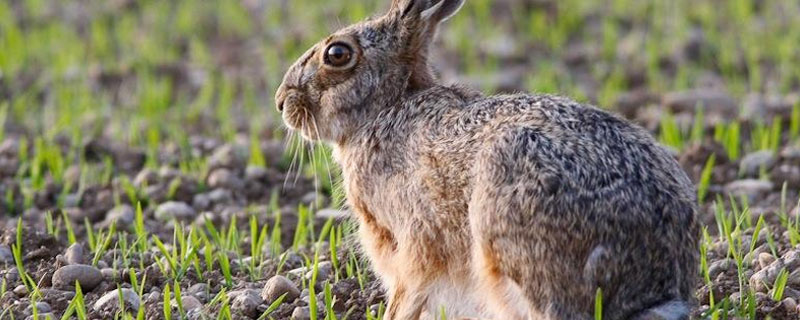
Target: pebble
<point x="753" y="163"/>
<point x="110" y="300"/>
<point x="201" y="201"/>
<point x="713" y="102"/>
<point x="277" y="286"/>
<point x="42" y="307"/>
<point x="87" y="276"/>
<point x="329" y="213"/>
<point x="789" y="304"/>
<point x="220" y="196"/>
<point x="21" y="290"/>
<point x="6" y="256"/>
<point x="123" y="215"/>
<point x="75" y="254"/>
<point x="245" y="302"/>
<point x="786" y="173"/>
<point x="43" y="316"/>
<point x="751" y="188"/>
<point x="255" y="173"/>
<point x="146" y="177"/>
<point x="199" y="291"/>
<point x="224" y="178"/>
<point x="174" y="210"/>
<point x="765" y="259"/>
<point x="190" y="303"/>
<point x="324" y="272"/>
<point x="227" y="156"/>
<point x="301" y="313"/>
<point x="109" y="273"/>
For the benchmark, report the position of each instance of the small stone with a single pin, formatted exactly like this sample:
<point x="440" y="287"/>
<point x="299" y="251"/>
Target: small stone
<point x="765" y="259"/>
<point x="301" y="313"/>
<point x="329" y="213"/>
<point x="752" y="164"/>
<point x="72" y="200"/>
<point x="6" y="256"/>
<point x="109" y="274"/>
<point x="110" y="300"/>
<point x="245" y="303"/>
<point x="751" y="188"/>
<point x="220" y="196"/>
<point x="201" y="201"/>
<point x="255" y="173"/>
<point x="75" y="254"/>
<point x="227" y="156"/>
<point x="324" y="272"/>
<point x="174" y="210"/>
<point x="146" y="177"/>
<point x="789" y="304"/>
<point x="278" y="286"/>
<point x="199" y="291"/>
<point x="190" y="303"/>
<point x="713" y="102"/>
<point x="21" y="290"/>
<point x="224" y="178"/>
<point x="43" y="307"/>
<point x="87" y="276"/>
<point x="720" y="266"/>
<point x="123" y="215"/>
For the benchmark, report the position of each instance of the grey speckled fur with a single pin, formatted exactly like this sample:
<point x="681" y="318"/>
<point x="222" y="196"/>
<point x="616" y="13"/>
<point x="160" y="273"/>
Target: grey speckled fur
<point x="502" y="207"/>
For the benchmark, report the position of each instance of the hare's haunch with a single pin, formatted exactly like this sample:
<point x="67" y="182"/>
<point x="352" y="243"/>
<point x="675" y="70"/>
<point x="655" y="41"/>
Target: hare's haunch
<point x="500" y="207"/>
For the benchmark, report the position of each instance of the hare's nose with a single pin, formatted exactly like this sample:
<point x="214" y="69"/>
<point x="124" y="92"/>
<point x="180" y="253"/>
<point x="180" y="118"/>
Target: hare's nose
<point x="280" y="105"/>
<point x="280" y="98"/>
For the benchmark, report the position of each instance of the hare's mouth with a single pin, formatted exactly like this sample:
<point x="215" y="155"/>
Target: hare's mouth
<point x="300" y="118"/>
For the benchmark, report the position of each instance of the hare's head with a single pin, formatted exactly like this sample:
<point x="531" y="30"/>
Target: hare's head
<point x="339" y="83"/>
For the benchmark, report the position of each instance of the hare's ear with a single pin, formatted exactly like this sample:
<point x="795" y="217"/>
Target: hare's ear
<point x="431" y="11"/>
<point x="418" y="21"/>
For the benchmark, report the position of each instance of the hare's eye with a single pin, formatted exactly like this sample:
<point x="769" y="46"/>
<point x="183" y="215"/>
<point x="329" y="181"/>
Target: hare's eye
<point x="338" y="55"/>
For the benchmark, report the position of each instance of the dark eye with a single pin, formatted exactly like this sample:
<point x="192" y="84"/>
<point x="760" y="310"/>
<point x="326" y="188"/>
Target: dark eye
<point x="338" y="55"/>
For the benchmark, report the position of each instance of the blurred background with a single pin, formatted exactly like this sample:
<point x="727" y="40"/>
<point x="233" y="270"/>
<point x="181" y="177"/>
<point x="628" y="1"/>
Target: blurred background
<point x="106" y="105"/>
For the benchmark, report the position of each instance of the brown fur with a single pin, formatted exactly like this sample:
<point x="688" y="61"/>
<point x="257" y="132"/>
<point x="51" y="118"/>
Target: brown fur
<point x="503" y="207"/>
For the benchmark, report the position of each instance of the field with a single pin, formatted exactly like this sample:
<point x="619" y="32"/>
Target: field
<point x="145" y="172"/>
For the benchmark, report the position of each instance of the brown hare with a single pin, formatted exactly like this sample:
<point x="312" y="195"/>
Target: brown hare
<point x="494" y="207"/>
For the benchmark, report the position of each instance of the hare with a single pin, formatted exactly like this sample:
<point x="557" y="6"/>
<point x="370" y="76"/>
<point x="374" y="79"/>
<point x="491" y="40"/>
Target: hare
<point x="492" y="207"/>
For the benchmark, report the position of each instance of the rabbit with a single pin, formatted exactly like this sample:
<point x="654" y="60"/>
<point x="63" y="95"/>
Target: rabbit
<point x="514" y="206"/>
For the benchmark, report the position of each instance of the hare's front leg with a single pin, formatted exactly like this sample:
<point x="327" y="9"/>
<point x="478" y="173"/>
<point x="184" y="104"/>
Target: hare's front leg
<point x="405" y="304"/>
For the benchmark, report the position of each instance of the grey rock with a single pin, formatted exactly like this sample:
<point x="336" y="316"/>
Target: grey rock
<point x="720" y="266"/>
<point x="75" y="254"/>
<point x="21" y="290"/>
<point x="145" y="177"/>
<point x="6" y="256"/>
<point x="277" y="286"/>
<point x="190" y="303"/>
<point x="301" y="313"/>
<point x="174" y="210"/>
<point x="109" y="273"/>
<point x="87" y="276"/>
<point x="200" y="291"/>
<point x="201" y="201"/>
<point x="220" y="196"/>
<point x="41" y="308"/>
<point x="245" y="302"/>
<point x="123" y="215"/>
<point x="255" y="173"/>
<point x="714" y="102"/>
<point x="224" y="178"/>
<point x="751" y="188"/>
<point x="227" y="156"/>
<point x="329" y="213"/>
<point x="752" y="163"/>
<point x="324" y="272"/>
<point x="110" y="300"/>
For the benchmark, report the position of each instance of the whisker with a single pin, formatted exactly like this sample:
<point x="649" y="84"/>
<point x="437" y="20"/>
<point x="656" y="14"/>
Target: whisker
<point x="324" y="156"/>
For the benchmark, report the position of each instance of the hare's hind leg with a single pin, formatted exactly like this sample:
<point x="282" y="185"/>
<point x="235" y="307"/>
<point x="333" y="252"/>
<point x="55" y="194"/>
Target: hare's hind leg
<point x="529" y="261"/>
